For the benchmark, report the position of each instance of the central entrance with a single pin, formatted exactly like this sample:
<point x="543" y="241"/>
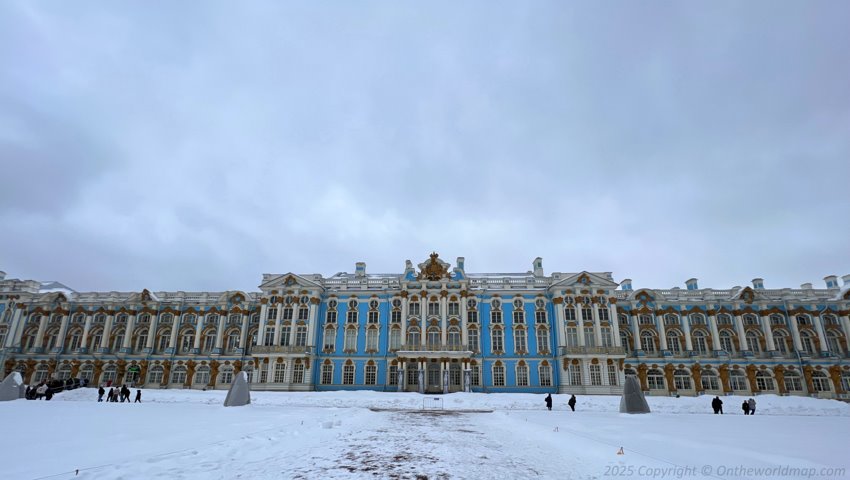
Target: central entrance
<point x="433" y="384"/>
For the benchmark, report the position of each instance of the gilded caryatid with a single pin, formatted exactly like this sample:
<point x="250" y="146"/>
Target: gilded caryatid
<point x="433" y="269"/>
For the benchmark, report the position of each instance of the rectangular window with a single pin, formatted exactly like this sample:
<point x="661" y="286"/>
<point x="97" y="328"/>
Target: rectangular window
<point x="522" y="376"/>
<point x="351" y="316"/>
<point x="589" y="337"/>
<point x="331" y="317"/>
<point x="433" y="308"/>
<point x="519" y="316"/>
<point x="373" y="317"/>
<point x="540" y="316"/>
<point x="330" y="339"/>
<point x="612" y="375"/>
<point x="545" y="376"/>
<point x="472" y="316"/>
<point x="454" y="308"/>
<point x="520" y="341"/>
<point x="572" y="337"/>
<point x="587" y="314"/>
<point x="709" y="382"/>
<point x="607" y="338"/>
<point x="371" y="375"/>
<point x="496" y="316"/>
<point x="279" y="372"/>
<point x="596" y="375"/>
<point x="570" y="314"/>
<point x="475" y="376"/>
<point x="393" y="380"/>
<point x="303" y="313"/>
<point x="298" y="373"/>
<point x="542" y="340"/>
<point x="327" y="374"/>
<point x="414" y="308"/>
<point x="269" y="336"/>
<point x="575" y="374"/>
<point x="287" y="313"/>
<point x="272" y="313"/>
<point x="498" y="344"/>
<point x="301" y="336"/>
<point x="372" y="340"/>
<point x="473" y="340"/>
<point x="226" y="377"/>
<point x="350" y="340"/>
<point x="285" y="332"/>
<point x="348" y="375"/>
<point x="603" y="314"/>
<point x="395" y="316"/>
<point x="395" y="339"/>
<point x="498" y="376"/>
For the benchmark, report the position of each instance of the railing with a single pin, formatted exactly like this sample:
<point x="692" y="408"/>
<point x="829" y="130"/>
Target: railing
<point x="281" y="349"/>
<point x="435" y="348"/>
<point x="576" y="350"/>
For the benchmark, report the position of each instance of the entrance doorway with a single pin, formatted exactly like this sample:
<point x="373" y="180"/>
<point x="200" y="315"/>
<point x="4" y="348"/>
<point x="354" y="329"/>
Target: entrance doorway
<point x="433" y="383"/>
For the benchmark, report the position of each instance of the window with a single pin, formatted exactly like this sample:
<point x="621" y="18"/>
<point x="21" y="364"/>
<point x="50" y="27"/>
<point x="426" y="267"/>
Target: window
<point x="833" y="343"/>
<point x="475" y="375"/>
<point x="350" y="340"/>
<point x="348" y="374"/>
<point x="673" y="342"/>
<point x="607" y="338"/>
<point x="351" y="316"/>
<point x="280" y="373"/>
<point x="820" y="381"/>
<point x="804" y="320"/>
<point x="522" y="375"/>
<point x="737" y="380"/>
<point x="520" y="341"/>
<point x="764" y="381"/>
<point x="287" y="313"/>
<point x="697" y="319"/>
<point x="496" y="316"/>
<point x="518" y="313"/>
<point x="393" y="375"/>
<point x="141" y="342"/>
<point x="395" y="339"/>
<point x="433" y="307"/>
<point x="572" y="337"/>
<point x="845" y="381"/>
<point x="589" y="337"/>
<point x="647" y="342"/>
<point x="87" y="372"/>
<point x="545" y="373"/>
<point x="303" y="313"/>
<point x="395" y="316"/>
<point x="272" y="313"/>
<point x="473" y="340"/>
<point x="671" y="319"/>
<point x="753" y="342"/>
<point x="626" y="341"/>
<point x="298" y="373"/>
<point x="108" y="373"/>
<point x="780" y="341"/>
<point x="414" y="308"/>
<point x="301" y="336"/>
<point x="726" y="342"/>
<point x="454" y="308"/>
<point x="412" y="374"/>
<point x="226" y="376"/>
<point x="595" y="375"/>
<point x="371" y="375"/>
<point x="655" y="379"/>
<point x="497" y="340"/>
<point x="209" y="341"/>
<point x="454" y="338"/>
<point x="472" y="316"/>
<point x="330" y="317"/>
<point x="372" y="340"/>
<point x="329" y="339"/>
<point x="269" y="335"/>
<point x="233" y="341"/>
<point x="327" y="374"/>
<point x="709" y="380"/>
<point x="777" y="320"/>
<point x="830" y="320"/>
<point x="575" y="374"/>
<point x="540" y="317"/>
<point x="807" y="342"/>
<point x="750" y="319"/>
<point x="178" y="375"/>
<point x="682" y="379"/>
<point x="587" y="314"/>
<point x="542" y="340"/>
<point x="570" y="314"/>
<point x="792" y="382"/>
<point x="498" y="375"/>
<point x="64" y="372"/>
<point x="724" y="319"/>
<point x="373" y="317"/>
<point x="646" y="320"/>
<point x="413" y="337"/>
<point x="202" y="376"/>
<point x="434" y="338"/>
<point x="612" y="375"/>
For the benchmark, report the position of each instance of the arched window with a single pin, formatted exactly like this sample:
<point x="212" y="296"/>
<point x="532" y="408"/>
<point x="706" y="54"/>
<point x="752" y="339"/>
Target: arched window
<point x="413" y="337"/>
<point x="497" y="340"/>
<point x="542" y="340"/>
<point x="395" y="338"/>
<point x="225" y="376"/>
<point x="433" y="340"/>
<point x="202" y="375"/>
<point x="178" y="375"/>
<point x="833" y="343"/>
<point x="327" y="373"/>
<point x="187" y="340"/>
<point x="454" y="338"/>
<point x="117" y="340"/>
<point x="793" y="382"/>
<point x="72" y="340"/>
<point x="820" y="381"/>
<point x="233" y="340"/>
<point x="737" y="380"/>
<point x="41" y="372"/>
<point x="544" y="372"/>
<point x="350" y="340"/>
<point x="655" y="379"/>
<point x="697" y="319"/>
<point x="155" y="374"/>
<point x="647" y="342"/>
<point x="473" y="338"/>
<point x="626" y="341"/>
<point x="520" y="341"/>
<point x="807" y="342"/>
<point x="764" y="381"/>
<point x="64" y="372"/>
<point x="522" y="375"/>
<point x="348" y="374"/>
<point x="674" y="342"/>
<point x="370" y="374"/>
<point x="682" y="379"/>
<point x="372" y="339"/>
<point x="95" y="339"/>
<point x="780" y="341"/>
<point x="87" y="372"/>
<point x="329" y="340"/>
<point x="753" y="343"/>
<point x="750" y="319"/>
<point x="108" y="374"/>
<point x="709" y="380"/>
<point x="498" y="375"/>
<point x="726" y="343"/>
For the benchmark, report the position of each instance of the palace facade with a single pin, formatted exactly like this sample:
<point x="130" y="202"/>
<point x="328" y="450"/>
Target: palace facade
<point x="435" y="329"/>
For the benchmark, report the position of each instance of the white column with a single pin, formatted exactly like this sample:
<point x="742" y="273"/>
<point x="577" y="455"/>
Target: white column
<point x="277" y="326"/>
<point x="560" y="325"/>
<point x="633" y="320"/>
<point x="312" y="322"/>
<point x="198" y="330"/>
<point x="175" y="326"/>
<point x="107" y="330"/>
<point x="580" y="325"/>
<point x="154" y="324"/>
<point x="85" y="340"/>
<point x="219" y="334"/>
<point x="597" y="325"/>
<point x="821" y="336"/>
<point x="767" y="330"/>
<point x="686" y="330"/>
<point x="63" y="329"/>
<point x="128" y="335"/>
<point x="715" y="335"/>
<point x="404" y="310"/>
<point x="20" y="323"/>
<point x="742" y="335"/>
<point x="42" y="325"/>
<point x="464" y="335"/>
<point x="845" y="324"/>
<point x="795" y="331"/>
<point x="662" y="331"/>
<point x="243" y="334"/>
<point x="615" y="324"/>
<point x="261" y="332"/>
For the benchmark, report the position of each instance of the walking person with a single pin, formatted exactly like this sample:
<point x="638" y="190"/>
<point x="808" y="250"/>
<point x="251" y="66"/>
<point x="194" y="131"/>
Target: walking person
<point x="100" y="392"/>
<point x="715" y="404"/>
<point x="746" y="407"/>
<point x="549" y="401"/>
<point x="41" y="391"/>
<point x="572" y="403"/>
<point x="752" y="404"/>
<point x="138" y="396"/>
<point x="110" y="395"/>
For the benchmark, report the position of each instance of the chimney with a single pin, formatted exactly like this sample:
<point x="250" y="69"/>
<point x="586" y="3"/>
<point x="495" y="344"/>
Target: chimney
<point x="831" y="281"/>
<point x="806" y="286"/>
<point x="538" y="267"/>
<point x="626" y="285"/>
<point x="360" y="269"/>
<point x="459" y="263"/>
<point x="692" y="284"/>
<point x="758" y="283"/>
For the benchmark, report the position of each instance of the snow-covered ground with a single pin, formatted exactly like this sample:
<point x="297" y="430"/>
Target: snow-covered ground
<point x="179" y="434"/>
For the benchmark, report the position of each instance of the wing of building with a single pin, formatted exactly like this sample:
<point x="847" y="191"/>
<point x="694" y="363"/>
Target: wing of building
<point x="437" y="328"/>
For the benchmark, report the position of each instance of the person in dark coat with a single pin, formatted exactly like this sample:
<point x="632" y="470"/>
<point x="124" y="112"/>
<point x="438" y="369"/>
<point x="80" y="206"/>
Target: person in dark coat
<point x="746" y="407"/>
<point x="752" y="404"/>
<point x="715" y="405"/>
<point x="100" y="392"/>
<point x="549" y="401"/>
<point x="110" y="394"/>
<point x="138" y="396"/>
<point x="572" y="403"/>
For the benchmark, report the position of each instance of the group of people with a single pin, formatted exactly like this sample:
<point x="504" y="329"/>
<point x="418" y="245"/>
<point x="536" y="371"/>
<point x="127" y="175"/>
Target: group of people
<point x="115" y="394"/>
<point x="749" y="406"/>
<point x="38" y="392"/>
<point x="571" y="402"/>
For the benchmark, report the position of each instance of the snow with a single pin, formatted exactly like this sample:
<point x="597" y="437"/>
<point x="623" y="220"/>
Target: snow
<point x="186" y="434"/>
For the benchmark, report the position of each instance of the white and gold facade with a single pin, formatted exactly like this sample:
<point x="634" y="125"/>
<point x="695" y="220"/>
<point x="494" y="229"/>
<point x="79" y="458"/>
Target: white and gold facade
<point x="438" y="329"/>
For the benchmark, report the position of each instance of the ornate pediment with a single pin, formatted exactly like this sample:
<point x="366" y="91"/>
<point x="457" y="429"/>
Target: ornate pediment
<point x="433" y="269"/>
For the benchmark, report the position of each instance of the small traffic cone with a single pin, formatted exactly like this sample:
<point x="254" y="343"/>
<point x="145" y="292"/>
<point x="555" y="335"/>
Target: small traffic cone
<point x="620" y="451"/>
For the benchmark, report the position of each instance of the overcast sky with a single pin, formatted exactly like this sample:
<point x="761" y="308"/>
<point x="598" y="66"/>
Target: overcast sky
<point x="197" y="145"/>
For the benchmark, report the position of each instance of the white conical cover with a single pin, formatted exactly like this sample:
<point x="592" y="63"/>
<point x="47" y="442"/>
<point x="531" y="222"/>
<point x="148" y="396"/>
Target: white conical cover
<point x="11" y="387"/>
<point x="239" y="393"/>
<point x="633" y="400"/>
